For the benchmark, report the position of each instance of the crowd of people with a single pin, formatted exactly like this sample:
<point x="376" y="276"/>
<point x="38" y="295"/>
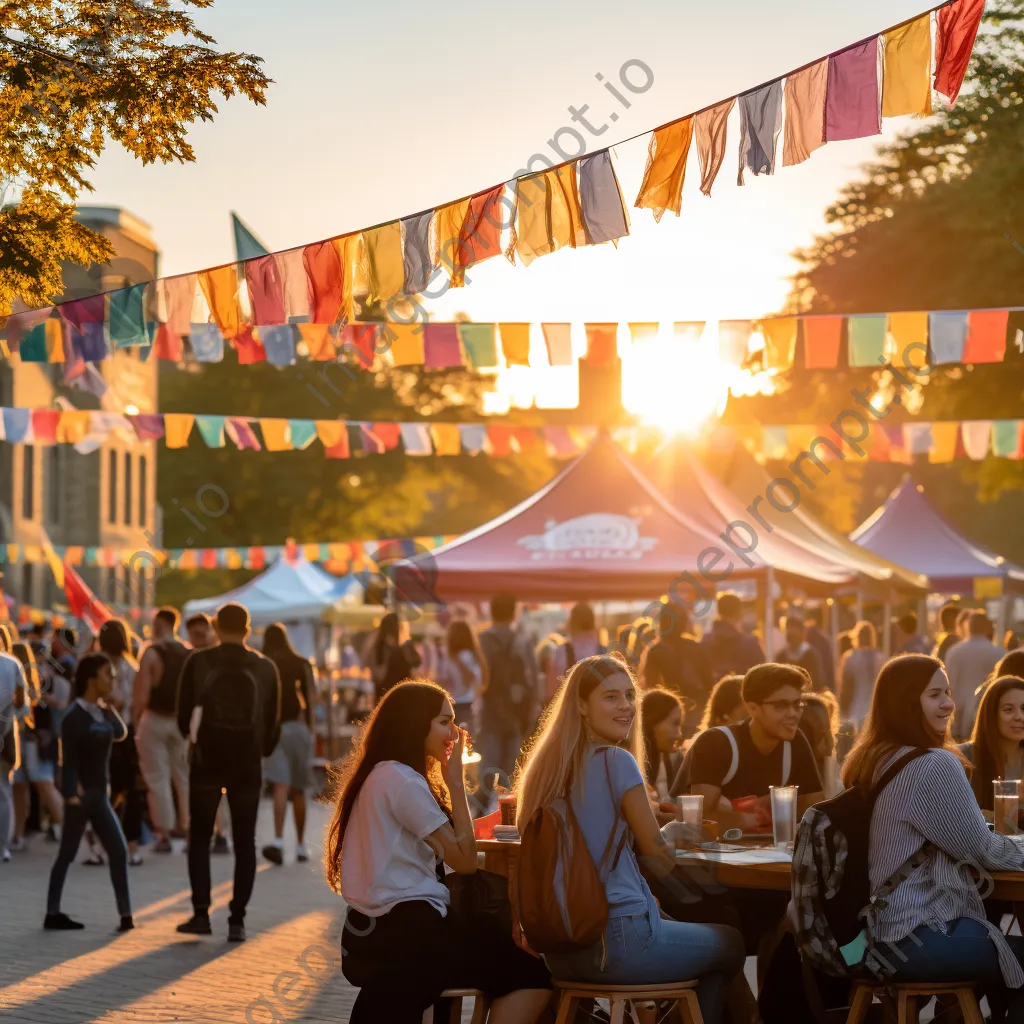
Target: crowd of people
<point x="117" y="752"/>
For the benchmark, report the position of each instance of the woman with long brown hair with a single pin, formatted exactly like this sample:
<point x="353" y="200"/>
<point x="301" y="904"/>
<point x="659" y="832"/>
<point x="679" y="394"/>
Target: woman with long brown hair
<point x="996" y="747"/>
<point x="463" y="670"/>
<point x="401" y="815"/>
<point x="927" y="827"/>
<point x="589" y="750"/>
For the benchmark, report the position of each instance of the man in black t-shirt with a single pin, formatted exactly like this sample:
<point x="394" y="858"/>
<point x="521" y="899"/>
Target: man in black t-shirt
<point x="741" y="764"/>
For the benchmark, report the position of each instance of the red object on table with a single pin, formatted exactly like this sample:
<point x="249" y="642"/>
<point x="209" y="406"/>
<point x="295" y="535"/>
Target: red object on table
<point x="750" y="805"/>
<point x="483" y="828"/>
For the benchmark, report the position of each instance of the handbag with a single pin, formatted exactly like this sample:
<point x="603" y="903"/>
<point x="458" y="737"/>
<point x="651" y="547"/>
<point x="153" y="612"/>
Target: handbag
<point x="483" y="894"/>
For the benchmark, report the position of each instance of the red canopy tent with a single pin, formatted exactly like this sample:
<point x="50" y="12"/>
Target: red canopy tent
<point x="598" y="531"/>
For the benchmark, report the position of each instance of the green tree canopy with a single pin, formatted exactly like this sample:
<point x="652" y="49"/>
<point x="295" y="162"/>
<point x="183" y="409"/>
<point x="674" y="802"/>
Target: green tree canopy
<point x="73" y="74"/>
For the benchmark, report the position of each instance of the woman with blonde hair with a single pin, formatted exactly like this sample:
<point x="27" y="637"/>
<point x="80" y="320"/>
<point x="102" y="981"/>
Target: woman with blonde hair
<point x="589" y="749"/>
<point x="857" y="674"/>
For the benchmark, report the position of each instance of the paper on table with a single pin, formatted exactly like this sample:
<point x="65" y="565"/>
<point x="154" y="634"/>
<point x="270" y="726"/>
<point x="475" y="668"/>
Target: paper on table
<point x="761" y="856"/>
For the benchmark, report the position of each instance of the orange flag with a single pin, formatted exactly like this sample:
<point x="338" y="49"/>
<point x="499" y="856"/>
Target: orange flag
<point x="319" y="343"/>
<point x="220" y="286"/>
<point x="385" y="268"/>
<point x="547" y="214"/>
<point x="710" y="127"/>
<point x="515" y="343"/>
<point x="449" y="250"/>
<point x="323" y="270"/>
<point x="804" y="94"/>
<point x="662" y="187"/>
<point x="481" y="230"/>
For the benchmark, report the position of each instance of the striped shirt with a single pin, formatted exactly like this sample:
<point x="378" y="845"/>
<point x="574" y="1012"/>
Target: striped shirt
<point x="931" y="800"/>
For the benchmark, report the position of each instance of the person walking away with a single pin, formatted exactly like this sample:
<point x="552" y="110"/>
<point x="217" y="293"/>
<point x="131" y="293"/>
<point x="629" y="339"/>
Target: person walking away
<point x="401" y="816"/>
<point x="462" y="671"/>
<point x="39" y="748"/>
<point x="797" y="651"/>
<point x="289" y="768"/>
<point x="949" y="615"/>
<point x="590" y="750"/>
<point x="731" y="650"/>
<point x="393" y="656"/>
<point x="968" y="665"/>
<point x="88" y="732"/>
<point x="127" y="790"/>
<point x="581" y="641"/>
<point x="819" y="640"/>
<point x="14" y="707"/>
<point x="229" y="703"/>
<point x="200" y="633"/>
<point x="933" y="922"/>
<point x="510" y="701"/>
<point x="857" y="674"/>
<point x="907" y="639"/>
<point x="676" y="661"/>
<point x="163" y="753"/>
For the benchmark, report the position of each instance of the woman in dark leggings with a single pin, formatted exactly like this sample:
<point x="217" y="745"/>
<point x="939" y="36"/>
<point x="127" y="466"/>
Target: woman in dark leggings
<point x="89" y="729"/>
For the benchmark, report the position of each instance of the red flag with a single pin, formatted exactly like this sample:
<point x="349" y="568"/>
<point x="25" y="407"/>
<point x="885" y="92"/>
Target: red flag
<point x="84" y="604"/>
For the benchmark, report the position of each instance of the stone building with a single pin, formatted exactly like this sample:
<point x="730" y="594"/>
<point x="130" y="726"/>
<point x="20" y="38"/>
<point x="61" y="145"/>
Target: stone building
<point x="106" y="497"/>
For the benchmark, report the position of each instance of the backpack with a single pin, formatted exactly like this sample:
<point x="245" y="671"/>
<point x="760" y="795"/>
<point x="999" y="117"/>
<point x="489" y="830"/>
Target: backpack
<point x="734" y="767"/>
<point x="507" y="689"/>
<point x="163" y="697"/>
<point x="832" y="896"/>
<point x="553" y="850"/>
<point x="230" y="698"/>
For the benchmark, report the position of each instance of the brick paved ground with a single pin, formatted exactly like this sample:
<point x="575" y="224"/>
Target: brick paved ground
<point x="287" y="971"/>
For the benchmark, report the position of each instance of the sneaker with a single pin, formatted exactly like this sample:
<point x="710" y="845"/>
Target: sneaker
<point x="220" y="845"/>
<point x="274" y="854"/>
<point x="53" y="834"/>
<point x="135" y="859"/>
<point x="5" y="856"/>
<point x="127" y="924"/>
<point x="236" y="931"/>
<point x="301" y="853"/>
<point x="94" y="860"/>
<point x="18" y="845"/>
<point x="163" y="845"/>
<point x="61" y="923"/>
<point x="197" y="924"/>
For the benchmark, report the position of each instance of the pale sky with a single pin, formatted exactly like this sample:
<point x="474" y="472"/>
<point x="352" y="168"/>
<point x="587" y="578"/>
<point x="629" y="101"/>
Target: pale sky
<point x="379" y="111"/>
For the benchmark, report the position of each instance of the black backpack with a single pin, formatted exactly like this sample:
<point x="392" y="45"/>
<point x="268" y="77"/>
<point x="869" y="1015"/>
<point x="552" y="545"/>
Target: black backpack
<point x="230" y="698"/>
<point x="832" y="894"/>
<point x="507" y="689"/>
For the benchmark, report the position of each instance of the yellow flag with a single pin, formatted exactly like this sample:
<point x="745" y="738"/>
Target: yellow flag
<point x="447" y="438"/>
<point x="662" y="187"/>
<point x="177" y="427"/>
<point x="906" y="329"/>
<point x="515" y="343"/>
<point x="385" y="269"/>
<point x="56" y="565"/>
<point x="405" y="342"/>
<point x="906" y="76"/>
<point x="779" y="342"/>
<point x="944" y="438"/>
<point x="220" y="286"/>
<point x="277" y="435"/>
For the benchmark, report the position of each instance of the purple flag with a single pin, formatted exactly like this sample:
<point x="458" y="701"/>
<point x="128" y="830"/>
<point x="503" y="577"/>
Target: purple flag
<point x="853" y="108"/>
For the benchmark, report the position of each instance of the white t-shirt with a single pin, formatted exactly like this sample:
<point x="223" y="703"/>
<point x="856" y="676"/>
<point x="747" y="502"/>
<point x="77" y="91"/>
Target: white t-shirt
<point x="454" y="681"/>
<point x="384" y="859"/>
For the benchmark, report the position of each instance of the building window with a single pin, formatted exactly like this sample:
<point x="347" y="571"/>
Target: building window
<point x="112" y="486"/>
<point x="127" y="488"/>
<point x="52" y="483"/>
<point x="28" y="481"/>
<point x="143" y="518"/>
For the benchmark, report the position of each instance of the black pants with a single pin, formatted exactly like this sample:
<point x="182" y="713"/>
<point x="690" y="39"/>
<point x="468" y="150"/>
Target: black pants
<point x="243" y="802"/>
<point x="94" y="810"/>
<point x="405" y="959"/>
<point x="127" y="788"/>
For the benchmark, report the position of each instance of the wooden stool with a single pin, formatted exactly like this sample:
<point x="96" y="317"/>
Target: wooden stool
<point x="908" y="1000"/>
<point x="481" y="1004"/>
<point x="683" y="992"/>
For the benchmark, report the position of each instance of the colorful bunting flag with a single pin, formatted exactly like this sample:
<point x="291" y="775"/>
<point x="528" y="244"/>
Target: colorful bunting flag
<point x="867" y="339"/>
<point x="406" y="343"/>
<point x="178" y="296"/>
<point x="279" y="344"/>
<point x="148" y="426"/>
<point x="547" y="214"/>
<point x="852" y="108"/>
<point x="822" y="340"/>
<point x="447" y="438"/>
<point x="944" y="442"/>
<point x="441" y="345"/>
<point x="908" y="334"/>
<point x="515" y="343"/>
<point x="760" y="126"/>
<point x="662" y="187"/>
<point x="303" y="433"/>
<point x="277" y="435"/>
<point x="220" y="287"/>
<point x="416" y="439"/>
<point x="481" y="230"/>
<point x="986" y="336"/>
<point x="975" y="435"/>
<point x="602" y="343"/>
<point x="734" y="341"/>
<point x="418" y="260"/>
<point x="177" y="427"/>
<point x="603" y="210"/>
<point x="906" y="80"/>
<point x="948" y="335"/>
<point x="291" y="267"/>
<point x="642" y="332"/>
<point x="449" y="251"/>
<point x="241" y="433"/>
<point x="333" y="436"/>
<point x="248" y="347"/>
<point x="805" y="113"/>
<point x="323" y="272"/>
<point x="207" y="343"/>
<point x="211" y="430"/>
<point x="266" y="291"/>
<point x="688" y="332"/>
<point x="1006" y="438"/>
<point x="478" y="340"/>
<point x="473" y="437"/>
<point x="318" y="341"/>
<point x="558" y="340"/>
<point x="385" y="262"/>
<point x="779" y="342"/>
<point x="955" y="31"/>
<point x="710" y="127"/>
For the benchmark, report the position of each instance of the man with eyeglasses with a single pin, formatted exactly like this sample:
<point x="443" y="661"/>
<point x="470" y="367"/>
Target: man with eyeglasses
<point x="735" y="766"/>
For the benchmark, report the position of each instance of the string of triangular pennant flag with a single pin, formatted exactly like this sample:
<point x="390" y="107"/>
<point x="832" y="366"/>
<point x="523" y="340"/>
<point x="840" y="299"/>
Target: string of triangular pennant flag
<point x="576" y="203"/>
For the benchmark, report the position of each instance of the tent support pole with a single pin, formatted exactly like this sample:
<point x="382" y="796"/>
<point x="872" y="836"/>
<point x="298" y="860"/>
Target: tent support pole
<point x="886" y="630"/>
<point x="769" y="617"/>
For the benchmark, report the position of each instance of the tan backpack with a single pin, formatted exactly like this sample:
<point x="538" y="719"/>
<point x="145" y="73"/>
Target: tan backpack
<point x="552" y="847"/>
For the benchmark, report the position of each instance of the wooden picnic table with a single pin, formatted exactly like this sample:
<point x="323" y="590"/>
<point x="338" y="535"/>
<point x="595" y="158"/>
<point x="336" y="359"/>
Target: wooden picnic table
<point x="501" y="857"/>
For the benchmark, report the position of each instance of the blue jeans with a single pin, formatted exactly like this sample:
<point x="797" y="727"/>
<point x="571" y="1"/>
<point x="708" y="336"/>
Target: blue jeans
<point x="965" y="953"/>
<point x="646" y="950"/>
